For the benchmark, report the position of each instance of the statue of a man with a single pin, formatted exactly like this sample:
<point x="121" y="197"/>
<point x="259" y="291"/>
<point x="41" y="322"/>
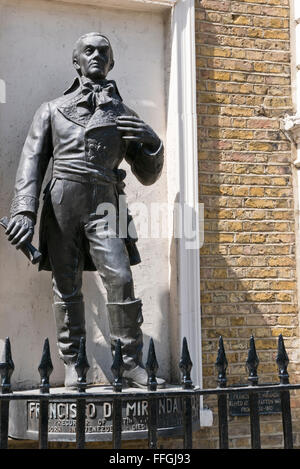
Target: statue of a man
<point x="88" y="131"/>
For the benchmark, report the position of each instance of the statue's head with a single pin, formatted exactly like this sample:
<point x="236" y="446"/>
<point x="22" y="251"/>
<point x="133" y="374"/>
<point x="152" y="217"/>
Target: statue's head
<point x="93" y="56"/>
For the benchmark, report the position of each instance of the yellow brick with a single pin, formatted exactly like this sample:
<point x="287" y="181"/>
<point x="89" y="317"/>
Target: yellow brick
<point x="241" y="191"/>
<point x="214" y="98"/>
<point x="282" y="296"/>
<point x="226" y="190"/>
<point x="215" y="51"/>
<point x="220" y="273"/>
<point x="244" y="261"/>
<point x="242" y="238"/>
<point x="224" y="213"/>
<point x="245" y="285"/>
<point x="275" y="34"/>
<point x="242" y="20"/>
<point x="217" y="75"/>
<point x="262" y="273"/>
<point x="288" y="309"/>
<point x="283" y="285"/>
<point x="260" y="146"/>
<point x="238" y="54"/>
<point x="284" y="331"/>
<point x="260" y="296"/>
<point x="286" y="321"/>
<point x="237" y="111"/>
<point x="237" y="321"/>
<point x="256" y="191"/>
<point x="259" y="203"/>
<point x="280" y="181"/>
<point x="230" y="226"/>
<point x="238" y="134"/>
<point x="238" y="77"/>
<point x="258" y="238"/>
<point x="266" y="344"/>
<point x="200" y="62"/>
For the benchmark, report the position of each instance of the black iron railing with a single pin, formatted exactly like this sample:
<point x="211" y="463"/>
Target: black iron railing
<point x="186" y="393"/>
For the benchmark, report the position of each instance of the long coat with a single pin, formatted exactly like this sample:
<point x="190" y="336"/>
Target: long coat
<point x="58" y="132"/>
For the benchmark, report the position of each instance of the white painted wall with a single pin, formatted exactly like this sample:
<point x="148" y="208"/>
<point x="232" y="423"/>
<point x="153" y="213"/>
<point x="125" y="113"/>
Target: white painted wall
<point x="36" y="41"/>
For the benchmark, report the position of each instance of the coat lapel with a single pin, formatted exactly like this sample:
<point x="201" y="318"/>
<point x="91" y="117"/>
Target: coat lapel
<point x="72" y="112"/>
<point x="78" y="114"/>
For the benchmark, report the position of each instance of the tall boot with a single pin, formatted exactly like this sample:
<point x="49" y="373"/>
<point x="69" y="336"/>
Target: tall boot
<point x="125" y="320"/>
<point x="70" y="327"/>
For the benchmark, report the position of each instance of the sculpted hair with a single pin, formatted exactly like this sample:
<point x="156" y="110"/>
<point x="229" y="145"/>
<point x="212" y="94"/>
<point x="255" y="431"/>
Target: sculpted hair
<point x="77" y="43"/>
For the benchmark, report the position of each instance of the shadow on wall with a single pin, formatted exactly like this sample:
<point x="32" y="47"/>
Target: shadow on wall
<point x="98" y="341"/>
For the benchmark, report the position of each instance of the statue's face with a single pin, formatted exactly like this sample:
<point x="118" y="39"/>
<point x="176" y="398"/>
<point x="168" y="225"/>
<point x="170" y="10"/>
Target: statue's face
<point x="93" y="57"/>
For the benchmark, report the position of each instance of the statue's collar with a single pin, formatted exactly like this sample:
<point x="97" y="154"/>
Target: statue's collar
<point x="69" y="108"/>
<point x="74" y="86"/>
<point x="79" y="82"/>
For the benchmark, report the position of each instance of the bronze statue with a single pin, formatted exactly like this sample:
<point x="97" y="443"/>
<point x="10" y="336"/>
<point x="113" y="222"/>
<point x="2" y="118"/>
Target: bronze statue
<point x="87" y="131"/>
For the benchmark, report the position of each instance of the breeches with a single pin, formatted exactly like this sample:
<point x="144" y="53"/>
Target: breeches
<point x="75" y="225"/>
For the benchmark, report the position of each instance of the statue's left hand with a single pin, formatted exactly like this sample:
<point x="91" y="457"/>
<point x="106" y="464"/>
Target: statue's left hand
<point x="134" y="129"/>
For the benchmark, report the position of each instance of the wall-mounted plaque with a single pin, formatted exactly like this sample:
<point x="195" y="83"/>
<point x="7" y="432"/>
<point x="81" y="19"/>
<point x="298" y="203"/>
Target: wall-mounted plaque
<point x="268" y="403"/>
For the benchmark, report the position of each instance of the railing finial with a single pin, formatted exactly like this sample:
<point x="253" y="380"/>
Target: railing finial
<point x="152" y="367"/>
<point x="186" y="365"/>
<point x="252" y="363"/>
<point x="45" y="367"/>
<point x="282" y="361"/>
<point x="6" y="368"/>
<point x="221" y="364"/>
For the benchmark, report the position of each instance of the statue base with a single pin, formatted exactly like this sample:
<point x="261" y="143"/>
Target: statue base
<point x="24" y="416"/>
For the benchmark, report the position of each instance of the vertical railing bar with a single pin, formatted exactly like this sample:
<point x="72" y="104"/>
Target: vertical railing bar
<point x="81" y="367"/>
<point x="187" y="423"/>
<point x="117" y="423"/>
<point x="4" y="416"/>
<point x="254" y="420"/>
<point x="286" y="419"/>
<point x="221" y="365"/>
<point x="223" y="421"/>
<point x="43" y="423"/>
<point x="282" y="361"/>
<point x="152" y="423"/>
<point x="80" y="423"/>
<point x="117" y="369"/>
<point x="252" y="365"/>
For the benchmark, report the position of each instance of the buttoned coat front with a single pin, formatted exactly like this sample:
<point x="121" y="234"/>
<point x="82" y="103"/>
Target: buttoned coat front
<point x="58" y="133"/>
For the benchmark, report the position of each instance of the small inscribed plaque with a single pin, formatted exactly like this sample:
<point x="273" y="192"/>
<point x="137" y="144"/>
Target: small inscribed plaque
<point x="268" y="403"/>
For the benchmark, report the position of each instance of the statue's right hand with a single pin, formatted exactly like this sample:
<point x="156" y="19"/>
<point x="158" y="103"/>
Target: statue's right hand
<point x="20" y="229"/>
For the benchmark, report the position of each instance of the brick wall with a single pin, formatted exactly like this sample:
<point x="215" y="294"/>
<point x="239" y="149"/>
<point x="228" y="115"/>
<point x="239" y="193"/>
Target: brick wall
<point x="248" y="276"/>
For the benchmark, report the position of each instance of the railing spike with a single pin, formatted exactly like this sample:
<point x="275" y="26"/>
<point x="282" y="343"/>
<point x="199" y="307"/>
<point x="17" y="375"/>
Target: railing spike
<point x="186" y="365"/>
<point x="282" y="361"/>
<point x="82" y="366"/>
<point x="45" y="367"/>
<point x="118" y="367"/>
<point x="221" y="364"/>
<point x="6" y="368"/>
<point x="152" y="367"/>
<point x="252" y="363"/>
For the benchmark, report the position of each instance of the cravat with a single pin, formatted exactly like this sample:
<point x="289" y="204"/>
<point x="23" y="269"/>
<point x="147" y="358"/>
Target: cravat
<point x="94" y="95"/>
